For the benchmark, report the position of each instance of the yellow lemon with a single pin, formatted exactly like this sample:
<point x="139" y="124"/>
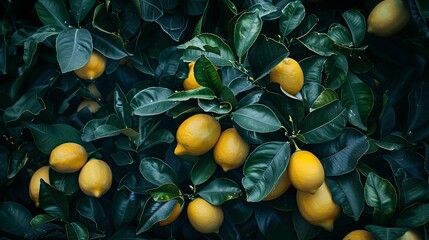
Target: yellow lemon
<point x="95" y="178"/>
<point x="388" y="18"/>
<point x="190" y="82"/>
<point x="412" y="234"/>
<point x="93" y="68"/>
<point x="34" y="186"/>
<point x="318" y="208"/>
<point x="92" y="105"/>
<point x="231" y="150"/>
<point x="174" y="214"/>
<point x="281" y="187"/>
<point x="359" y="234"/>
<point x="289" y="75"/>
<point x="205" y="217"/>
<point x="93" y="90"/>
<point x="305" y="171"/>
<point x="68" y="157"/>
<point x="197" y="135"/>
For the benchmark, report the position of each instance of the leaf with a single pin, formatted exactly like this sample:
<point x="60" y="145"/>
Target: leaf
<point x="125" y="207"/>
<point x="292" y="16"/>
<point x="14" y="218"/>
<point x="414" y="216"/>
<point x="17" y="160"/>
<point x="356" y="23"/>
<point x="256" y="117"/>
<point x="66" y="183"/>
<point x="41" y="219"/>
<point x="154" y="212"/>
<point x="135" y="182"/>
<point x="319" y="43"/>
<point x="157" y="171"/>
<point x="380" y="232"/>
<point x="91" y="213"/>
<point x="206" y="75"/>
<point x="150" y="10"/>
<point x="306" y="26"/>
<point x="30" y="44"/>
<point x="325" y="97"/>
<point x="122" y="158"/>
<point x="414" y="190"/>
<point x="109" y="45"/>
<point x="263" y="169"/>
<point x="76" y="230"/>
<point x="80" y="9"/>
<point x="340" y="35"/>
<point x="381" y="195"/>
<point x="235" y="80"/>
<point x="53" y="202"/>
<point x="214" y="106"/>
<point x="122" y="107"/>
<point x="418" y="101"/>
<point x="202" y="170"/>
<point x="231" y="6"/>
<point x="173" y="24"/>
<point x="347" y="191"/>
<point x="313" y="68"/>
<point x="74" y="47"/>
<point x="152" y="101"/>
<point x="303" y="229"/>
<point x="323" y="124"/>
<point x="336" y="69"/>
<point x="198" y="93"/>
<point x="274" y="223"/>
<point x="52" y="13"/>
<point x="246" y="31"/>
<point x="410" y="161"/>
<point x="220" y="190"/>
<point x="165" y="193"/>
<point x="157" y="137"/>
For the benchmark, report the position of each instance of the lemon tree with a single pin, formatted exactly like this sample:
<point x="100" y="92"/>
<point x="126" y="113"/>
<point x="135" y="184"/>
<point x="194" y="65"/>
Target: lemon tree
<point x="227" y="119"/>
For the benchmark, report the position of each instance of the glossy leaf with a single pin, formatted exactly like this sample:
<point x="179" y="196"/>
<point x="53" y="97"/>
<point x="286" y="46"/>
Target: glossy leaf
<point x="246" y="31"/>
<point x="125" y="207"/>
<point x="173" y="24"/>
<point x="231" y="6"/>
<point x="150" y="10"/>
<point x="319" y="43"/>
<point x="53" y="202"/>
<point x="290" y="110"/>
<point x="220" y="190"/>
<point x="306" y="26"/>
<point x="134" y="182"/>
<point x="313" y="68"/>
<point x="235" y="80"/>
<point x="202" y="170"/>
<point x="122" y="107"/>
<point x="165" y="193"/>
<point x="74" y="47"/>
<point x="198" y="93"/>
<point x="214" y="106"/>
<point x="110" y="45"/>
<point x="76" y="230"/>
<point x="385" y="232"/>
<point x="52" y="13"/>
<point x="274" y="223"/>
<point x="356" y="23"/>
<point x="256" y="117"/>
<point x="206" y="75"/>
<point x="336" y="69"/>
<point x="41" y="219"/>
<point x="340" y="35"/>
<point x="410" y="161"/>
<point x="157" y="171"/>
<point x="14" y="218"/>
<point x="17" y="160"/>
<point x="418" y="103"/>
<point x="292" y="16"/>
<point x="91" y="213"/>
<point x="413" y="190"/>
<point x="30" y="44"/>
<point x="66" y="183"/>
<point x="157" y="137"/>
<point x="303" y="229"/>
<point x="326" y="96"/>
<point x="80" y="9"/>
<point x="414" y="216"/>
<point x="154" y="212"/>
<point x="152" y="101"/>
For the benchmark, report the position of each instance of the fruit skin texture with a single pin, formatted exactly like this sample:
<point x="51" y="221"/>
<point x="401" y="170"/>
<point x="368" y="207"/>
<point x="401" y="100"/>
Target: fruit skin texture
<point x="95" y="178"/>
<point x="289" y="75"/>
<point x="318" y="209"/>
<point x="190" y="82"/>
<point x="92" y="105"/>
<point x="388" y="18"/>
<point x="94" y="68"/>
<point x="282" y="186"/>
<point x="197" y="135"/>
<point x="231" y="150"/>
<point x="173" y="216"/>
<point x="34" y="186"/>
<point x="359" y="234"/>
<point x="205" y="217"/>
<point x="305" y="171"/>
<point x="68" y="157"/>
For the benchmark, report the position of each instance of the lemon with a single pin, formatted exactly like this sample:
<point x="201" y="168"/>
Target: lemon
<point x="93" y="90"/>
<point x="305" y="171"/>
<point x="68" y="157"/>
<point x="289" y="75"/>
<point x="92" y="105"/>
<point x="93" y="68"/>
<point x="205" y="217"/>
<point x="190" y="82"/>
<point x="359" y="234"/>
<point x="388" y="18"/>
<point x="95" y="178"/>
<point x="318" y="208"/>
<point x="281" y="187"/>
<point x="231" y="150"/>
<point x="34" y="186"/>
<point x="412" y="234"/>
<point x="197" y="135"/>
<point x="173" y="216"/>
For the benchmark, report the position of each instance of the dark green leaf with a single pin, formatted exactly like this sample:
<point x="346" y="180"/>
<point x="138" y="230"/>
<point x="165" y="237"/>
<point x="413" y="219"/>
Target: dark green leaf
<point x="41" y="219"/>
<point x="91" y="213"/>
<point x="230" y="5"/>
<point x="122" y="107"/>
<point x="319" y="43"/>
<point x="356" y="23"/>
<point x="202" y="170"/>
<point x="53" y="13"/>
<point x="326" y="96"/>
<point x="414" y="216"/>
<point x="274" y="223"/>
<point x="157" y="171"/>
<point x="134" y="182"/>
<point x="66" y="183"/>
<point x="14" y="218"/>
<point x="150" y="10"/>
<point x="313" y="68"/>
<point x="292" y="16"/>
<point x="246" y="31"/>
<point x="125" y="207"/>
<point x="122" y="158"/>
<point x="310" y="92"/>
<point x="235" y="80"/>
<point x="17" y="160"/>
<point x="165" y="192"/>
<point x="154" y="212"/>
<point x="152" y="101"/>
<point x="303" y="229"/>
<point x="418" y="101"/>
<point x="305" y="27"/>
<point x="109" y="45"/>
<point x="214" y="106"/>
<point x="291" y="110"/>
<point x="53" y="202"/>
<point x="414" y="190"/>
<point x="340" y="35"/>
<point x="336" y="69"/>
<point x="30" y="44"/>
<point x="74" y="47"/>
<point x="81" y="8"/>
<point x="206" y="75"/>
<point x="157" y="137"/>
<point x="411" y="161"/>
<point x="173" y="24"/>
<point x="220" y="190"/>
<point x="380" y="232"/>
<point x="77" y="231"/>
<point x="256" y="117"/>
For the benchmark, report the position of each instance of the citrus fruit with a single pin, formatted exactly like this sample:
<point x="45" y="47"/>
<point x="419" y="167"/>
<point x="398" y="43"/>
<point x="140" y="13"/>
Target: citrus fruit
<point x="93" y="90"/>
<point x="68" y="157"/>
<point x="190" y="82"/>
<point x="92" y="105"/>
<point x="93" y="68"/>
<point x="34" y="186"/>
<point x="174" y="214"/>
<point x="412" y="234"/>
<point x="197" y="135"/>
<point x="95" y="178"/>
<point x="289" y="75"/>
<point x="388" y="18"/>
<point x="305" y="171"/>
<point x="205" y="217"/>
<point x="318" y="208"/>
<point x="359" y="234"/>
<point x="231" y="150"/>
<point x="281" y="187"/>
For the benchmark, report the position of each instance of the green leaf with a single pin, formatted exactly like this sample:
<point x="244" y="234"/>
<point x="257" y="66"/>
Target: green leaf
<point x="235" y="80"/>
<point x="292" y="16"/>
<point x="347" y="191"/>
<point x="246" y="31"/>
<point x="90" y="212"/>
<point x="74" y="47"/>
<point x="306" y="26"/>
<point x="53" y="13"/>
<point x="173" y="24"/>
<point x="256" y="117"/>
<point x="53" y="202"/>
<point x="310" y="92"/>
<point x="17" y="160"/>
<point x="122" y="107"/>
<point x="206" y="75"/>
<point x="77" y="230"/>
<point x="152" y="101"/>
<point x="14" y="218"/>
<point x="109" y="45"/>
<point x="319" y="43"/>
<point x="220" y="190"/>
<point x="418" y="102"/>
<point x="157" y="171"/>
<point x="381" y="195"/>
<point x="198" y="93"/>
<point x="150" y="10"/>
<point x="336" y="68"/>
<point x="313" y="68"/>
<point x="135" y="182"/>
<point x="263" y="169"/>
<point x="102" y="128"/>
<point x="80" y="9"/>
<point x="340" y="35"/>
<point x="303" y="229"/>
<point x="380" y="232"/>
<point x="122" y="158"/>
<point x="358" y="98"/>
<point x="274" y="223"/>
<point x="154" y="212"/>
<point x="30" y="44"/>
<point x="325" y="97"/>
<point x="202" y="170"/>
<point x="410" y="161"/>
<point x="41" y="219"/>
<point x="414" y="216"/>
<point x="157" y="137"/>
<point x="323" y="124"/>
<point x="231" y="6"/>
<point x="66" y="183"/>
<point x="125" y="207"/>
<point x="214" y="106"/>
<point x="356" y="23"/>
<point x="413" y="190"/>
<point x="165" y="192"/>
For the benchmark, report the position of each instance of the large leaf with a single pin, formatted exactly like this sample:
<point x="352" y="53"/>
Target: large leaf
<point x="256" y="117"/>
<point x="150" y="10"/>
<point x="263" y="169"/>
<point x="220" y="190"/>
<point x="66" y="183"/>
<point x="81" y="8"/>
<point x="77" y="230"/>
<point x="165" y="193"/>
<point x="306" y="26"/>
<point x="154" y="212"/>
<point x="414" y="216"/>
<point x="173" y="24"/>
<point x="203" y="169"/>
<point x="410" y="161"/>
<point x="291" y="110"/>
<point x="292" y="16"/>
<point x="340" y="35"/>
<point x="274" y="223"/>
<point x="336" y="69"/>
<point x="157" y="171"/>
<point x="152" y="101"/>
<point x="246" y="31"/>
<point x="124" y="207"/>
<point x="53" y="202"/>
<point x="74" y="47"/>
<point x="303" y="229"/>
<point x="356" y="23"/>
<point x="319" y="43"/>
<point x="135" y="182"/>
<point x="110" y="45"/>
<point x="91" y="213"/>
<point x="198" y="93"/>
<point x="385" y="232"/>
<point x="381" y="195"/>
<point x="53" y="13"/>
<point x="14" y="218"/>
<point x="206" y="75"/>
<point x="418" y="100"/>
<point x="30" y="44"/>
<point x="122" y="107"/>
<point x="313" y="68"/>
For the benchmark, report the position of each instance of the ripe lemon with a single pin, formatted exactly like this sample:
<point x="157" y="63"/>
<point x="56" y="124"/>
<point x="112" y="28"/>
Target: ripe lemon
<point x="92" y="105"/>
<point x="34" y="186"/>
<point x="205" y="217"/>
<point x="68" y="157"/>
<point x="93" y="68"/>
<point x="289" y="75"/>
<point x="388" y="18"/>
<point x="173" y="216"/>
<point x="412" y="234"/>
<point x="318" y="208"/>
<point x="93" y="90"/>
<point x="305" y="171"/>
<point x="95" y="178"/>
<point x="190" y="82"/>
<point x="359" y="234"/>
<point x="231" y="150"/>
<point x="282" y="186"/>
<point x="197" y="135"/>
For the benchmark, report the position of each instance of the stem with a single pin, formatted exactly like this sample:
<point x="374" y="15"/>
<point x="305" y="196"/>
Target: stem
<point x="294" y="144"/>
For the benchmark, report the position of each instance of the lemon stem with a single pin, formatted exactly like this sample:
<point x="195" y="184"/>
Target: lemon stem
<point x="294" y="144"/>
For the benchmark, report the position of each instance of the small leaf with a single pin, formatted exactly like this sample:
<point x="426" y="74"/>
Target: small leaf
<point x="74" y="47"/>
<point x="325" y="97"/>
<point x="165" y="192"/>
<point x="256" y="117"/>
<point x="41" y="219"/>
<point x="202" y="170"/>
<point x="152" y="101"/>
<point x="76" y="230"/>
<point x="122" y="107"/>
<point x="215" y="106"/>
<point x="53" y="202"/>
<point x="157" y="171"/>
<point x="53" y="13"/>
<point x="319" y="43"/>
<point x="292" y="16"/>
<point x="220" y="190"/>
<point x="356" y="23"/>
<point x="414" y="216"/>
<point x="66" y="183"/>
<point x="206" y="75"/>
<point x="246" y="31"/>
<point x="30" y="44"/>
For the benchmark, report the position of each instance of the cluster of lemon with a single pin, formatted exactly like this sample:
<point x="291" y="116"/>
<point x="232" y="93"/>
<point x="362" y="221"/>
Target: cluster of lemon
<point x="95" y="176"/>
